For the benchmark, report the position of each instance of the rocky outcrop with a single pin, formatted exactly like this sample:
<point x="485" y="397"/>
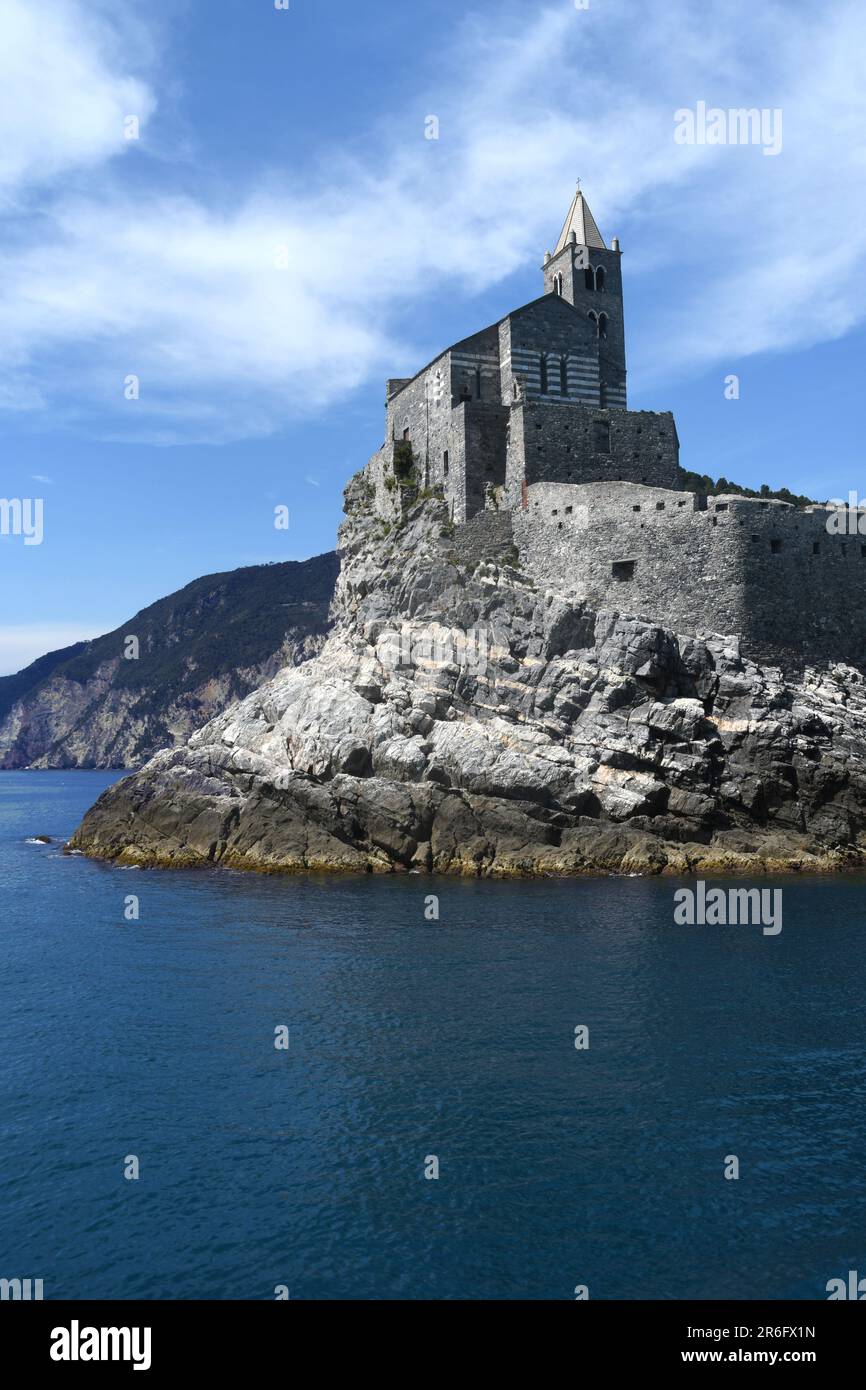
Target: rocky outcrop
<point x="107" y="703"/>
<point x="464" y="717"/>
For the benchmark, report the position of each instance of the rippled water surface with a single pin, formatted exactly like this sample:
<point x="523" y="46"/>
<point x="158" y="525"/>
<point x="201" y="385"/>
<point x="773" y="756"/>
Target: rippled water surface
<point x="412" y="1038"/>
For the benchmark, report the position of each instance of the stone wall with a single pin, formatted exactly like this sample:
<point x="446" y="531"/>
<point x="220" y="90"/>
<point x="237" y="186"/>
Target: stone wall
<point x="805" y="586"/>
<point x="558" y="442"/>
<point x="488" y="536"/>
<point x="645" y="551"/>
<point x="769" y="572"/>
<point x="483" y="427"/>
<point x="550" y="328"/>
<point x="423" y="409"/>
<point x="431" y="409"/>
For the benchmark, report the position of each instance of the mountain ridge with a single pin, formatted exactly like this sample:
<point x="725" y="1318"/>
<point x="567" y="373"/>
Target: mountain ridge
<point x="200" y="647"/>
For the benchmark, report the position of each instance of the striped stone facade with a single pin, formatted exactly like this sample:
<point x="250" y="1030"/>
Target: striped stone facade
<point x="563" y="356"/>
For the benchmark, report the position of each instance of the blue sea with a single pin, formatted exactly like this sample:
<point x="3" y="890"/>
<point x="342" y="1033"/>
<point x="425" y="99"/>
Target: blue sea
<point x="417" y="1043"/>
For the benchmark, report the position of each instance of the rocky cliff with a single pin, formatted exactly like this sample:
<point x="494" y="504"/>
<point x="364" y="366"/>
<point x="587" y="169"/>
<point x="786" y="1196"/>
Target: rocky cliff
<point x="198" y="650"/>
<point x="465" y="717"/>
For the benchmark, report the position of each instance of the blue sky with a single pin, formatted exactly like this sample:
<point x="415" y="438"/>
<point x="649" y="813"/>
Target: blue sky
<point x="282" y="236"/>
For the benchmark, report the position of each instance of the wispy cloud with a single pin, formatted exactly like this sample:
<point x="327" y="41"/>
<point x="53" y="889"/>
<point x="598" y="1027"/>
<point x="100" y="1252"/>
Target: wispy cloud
<point x="230" y="313"/>
<point x="65" y="92"/>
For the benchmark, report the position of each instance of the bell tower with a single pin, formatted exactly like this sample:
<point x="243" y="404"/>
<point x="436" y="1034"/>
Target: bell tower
<point x="588" y="275"/>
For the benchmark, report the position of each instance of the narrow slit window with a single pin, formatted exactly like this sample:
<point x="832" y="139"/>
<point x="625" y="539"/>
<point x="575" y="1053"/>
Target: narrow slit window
<point x="601" y="437"/>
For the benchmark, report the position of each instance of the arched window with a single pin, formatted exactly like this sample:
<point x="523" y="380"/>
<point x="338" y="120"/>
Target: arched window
<point x="602" y="325"/>
<point x="589" y="278"/>
<point x="594" y="316"/>
<point x="543" y="374"/>
<point x="563" y="376"/>
<point x="599" y="277"/>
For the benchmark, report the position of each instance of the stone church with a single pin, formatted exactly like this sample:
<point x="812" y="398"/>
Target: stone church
<point x="524" y="431"/>
<point x="540" y="395"/>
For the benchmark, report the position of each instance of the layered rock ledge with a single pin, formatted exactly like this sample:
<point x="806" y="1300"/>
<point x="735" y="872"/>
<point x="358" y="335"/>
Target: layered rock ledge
<point x="465" y="717"/>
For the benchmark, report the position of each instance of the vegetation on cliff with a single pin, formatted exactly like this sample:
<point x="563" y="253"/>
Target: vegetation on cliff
<point x="220" y="631"/>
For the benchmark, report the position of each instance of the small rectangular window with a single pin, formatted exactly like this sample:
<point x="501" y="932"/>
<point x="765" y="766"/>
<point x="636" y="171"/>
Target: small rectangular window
<point x="445" y="462"/>
<point x="660" y="506"/>
<point x="816" y="547"/>
<point x="623" y="570"/>
<point x="775" y="547"/>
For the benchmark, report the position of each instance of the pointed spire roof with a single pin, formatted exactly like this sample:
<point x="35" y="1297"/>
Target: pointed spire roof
<point x="580" y="221"/>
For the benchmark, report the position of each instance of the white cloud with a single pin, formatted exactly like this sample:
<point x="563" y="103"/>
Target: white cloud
<point x="64" y="92"/>
<point x="192" y="296"/>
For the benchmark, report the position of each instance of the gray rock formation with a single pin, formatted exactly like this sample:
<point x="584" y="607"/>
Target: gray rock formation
<point x="464" y="718"/>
